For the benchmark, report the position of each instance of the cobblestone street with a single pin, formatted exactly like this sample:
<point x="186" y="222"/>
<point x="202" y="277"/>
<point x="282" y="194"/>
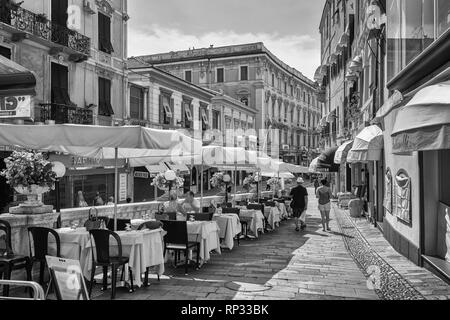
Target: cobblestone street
<point x="285" y="264"/>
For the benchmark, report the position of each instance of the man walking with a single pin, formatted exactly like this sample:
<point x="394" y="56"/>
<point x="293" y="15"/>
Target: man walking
<point x="299" y="204"/>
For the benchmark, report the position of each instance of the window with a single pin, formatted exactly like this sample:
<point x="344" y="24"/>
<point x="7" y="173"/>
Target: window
<point x="104" y="34"/>
<point x="165" y="108"/>
<point x="188" y="75"/>
<point x="304" y="96"/>
<point x="273" y="80"/>
<point x="136" y="103"/>
<point x="60" y="84"/>
<point x="244" y="73"/>
<point x="220" y="75"/>
<point x="59" y="17"/>
<point x="292" y="90"/>
<point x="205" y="119"/>
<point x="285" y="87"/>
<point x="187" y="114"/>
<point x="216" y="119"/>
<point x="104" y="97"/>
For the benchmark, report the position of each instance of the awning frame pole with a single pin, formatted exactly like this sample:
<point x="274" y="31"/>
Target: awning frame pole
<point x="116" y="185"/>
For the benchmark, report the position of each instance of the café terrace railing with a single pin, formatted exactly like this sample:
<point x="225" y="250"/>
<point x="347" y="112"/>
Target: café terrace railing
<point x="62" y="114"/>
<point x="38" y="25"/>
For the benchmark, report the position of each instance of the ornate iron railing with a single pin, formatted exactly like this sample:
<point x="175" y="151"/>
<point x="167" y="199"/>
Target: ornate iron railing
<point x="36" y="24"/>
<point x="65" y="114"/>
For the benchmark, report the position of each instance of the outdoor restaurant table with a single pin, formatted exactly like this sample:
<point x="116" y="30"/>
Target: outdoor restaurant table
<point x="283" y="210"/>
<point x="207" y="233"/>
<point x="229" y="227"/>
<point x="255" y="217"/>
<point x="144" y="249"/>
<point x="273" y="216"/>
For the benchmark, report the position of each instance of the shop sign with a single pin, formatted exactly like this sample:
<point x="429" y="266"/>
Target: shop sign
<point x="15" y="107"/>
<point x="140" y="174"/>
<point x="85" y="162"/>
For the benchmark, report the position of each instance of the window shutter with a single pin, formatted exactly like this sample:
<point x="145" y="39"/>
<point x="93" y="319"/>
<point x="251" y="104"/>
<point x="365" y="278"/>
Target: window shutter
<point x="161" y="109"/>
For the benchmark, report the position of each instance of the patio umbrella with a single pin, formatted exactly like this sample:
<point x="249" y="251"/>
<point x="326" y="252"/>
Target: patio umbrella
<point x="104" y="142"/>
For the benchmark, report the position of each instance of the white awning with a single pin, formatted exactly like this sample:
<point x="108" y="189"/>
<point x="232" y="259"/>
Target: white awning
<point x="157" y="168"/>
<point x="424" y="122"/>
<point x="342" y="151"/>
<point x="368" y="145"/>
<point x="182" y="168"/>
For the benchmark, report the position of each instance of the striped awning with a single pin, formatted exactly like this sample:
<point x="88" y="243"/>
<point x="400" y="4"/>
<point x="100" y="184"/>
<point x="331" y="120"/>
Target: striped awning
<point x="342" y="152"/>
<point x="368" y="145"/>
<point x="423" y="124"/>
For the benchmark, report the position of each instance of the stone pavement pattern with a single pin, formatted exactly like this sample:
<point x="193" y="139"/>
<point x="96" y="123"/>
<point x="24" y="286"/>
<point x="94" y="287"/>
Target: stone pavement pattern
<point x="312" y="264"/>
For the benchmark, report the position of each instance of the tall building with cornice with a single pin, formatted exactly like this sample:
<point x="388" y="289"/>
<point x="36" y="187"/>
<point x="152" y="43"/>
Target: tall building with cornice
<point x="282" y="97"/>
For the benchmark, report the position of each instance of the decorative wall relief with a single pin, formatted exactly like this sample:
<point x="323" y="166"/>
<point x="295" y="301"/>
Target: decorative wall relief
<point x="388" y="191"/>
<point x="402" y="194"/>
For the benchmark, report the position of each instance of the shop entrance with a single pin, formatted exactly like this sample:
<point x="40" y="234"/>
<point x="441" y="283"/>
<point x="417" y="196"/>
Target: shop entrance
<point x="443" y="241"/>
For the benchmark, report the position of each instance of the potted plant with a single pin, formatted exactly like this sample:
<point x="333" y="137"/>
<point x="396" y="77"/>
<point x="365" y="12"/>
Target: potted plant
<point x="29" y="174"/>
<point x="168" y="181"/>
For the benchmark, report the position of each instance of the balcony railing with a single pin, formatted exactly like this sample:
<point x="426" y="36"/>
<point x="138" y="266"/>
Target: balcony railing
<point x="66" y="114"/>
<point x="30" y="22"/>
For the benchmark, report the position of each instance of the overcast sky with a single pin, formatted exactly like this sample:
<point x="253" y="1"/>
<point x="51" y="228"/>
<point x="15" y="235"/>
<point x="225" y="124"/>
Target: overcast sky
<point x="288" y="28"/>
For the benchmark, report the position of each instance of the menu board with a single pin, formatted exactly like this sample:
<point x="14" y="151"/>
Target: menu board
<point x="67" y="278"/>
<point x="122" y="187"/>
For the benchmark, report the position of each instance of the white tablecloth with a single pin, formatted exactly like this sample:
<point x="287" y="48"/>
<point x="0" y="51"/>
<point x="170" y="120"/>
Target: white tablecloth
<point x="229" y="228"/>
<point x="283" y="210"/>
<point x="255" y="220"/>
<point x="144" y="249"/>
<point x="207" y="233"/>
<point x="273" y="216"/>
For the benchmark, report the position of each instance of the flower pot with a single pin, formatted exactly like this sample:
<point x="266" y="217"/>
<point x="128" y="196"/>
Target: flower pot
<point x="32" y="192"/>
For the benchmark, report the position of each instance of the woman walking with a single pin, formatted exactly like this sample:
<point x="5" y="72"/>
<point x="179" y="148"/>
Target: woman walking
<point x="324" y="195"/>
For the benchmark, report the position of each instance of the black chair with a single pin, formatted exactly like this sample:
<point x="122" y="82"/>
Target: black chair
<point x="161" y="217"/>
<point x="172" y="215"/>
<point x="38" y="243"/>
<point x="203" y="216"/>
<point x="10" y="261"/>
<point x="244" y="224"/>
<point x="270" y="204"/>
<point x="104" y="259"/>
<point x="121" y="224"/>
<point x="177" y="240"/>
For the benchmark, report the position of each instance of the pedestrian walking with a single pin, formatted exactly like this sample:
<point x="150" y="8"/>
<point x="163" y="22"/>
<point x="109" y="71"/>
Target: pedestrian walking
<point x="299" y="204"/>
<point x="324" y="195"/>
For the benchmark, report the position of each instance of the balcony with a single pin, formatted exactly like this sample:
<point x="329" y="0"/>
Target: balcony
<point x="29" y="24"/>
<point x="65" y="114"/>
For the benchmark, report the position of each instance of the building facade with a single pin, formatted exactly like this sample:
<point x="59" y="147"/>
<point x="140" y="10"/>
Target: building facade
<point x="280" y="96"/>
<point x="77" y="51"/>
<point x="158" y="99"/>
<point x="394" y="89"/>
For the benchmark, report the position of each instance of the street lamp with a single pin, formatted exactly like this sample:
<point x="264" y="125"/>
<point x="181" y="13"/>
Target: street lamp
<point x="60" y="170"/>
<point x="227" y="180"/>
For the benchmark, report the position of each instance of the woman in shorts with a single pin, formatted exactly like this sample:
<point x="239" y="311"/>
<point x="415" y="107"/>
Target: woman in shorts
<point x="324" y="195"/>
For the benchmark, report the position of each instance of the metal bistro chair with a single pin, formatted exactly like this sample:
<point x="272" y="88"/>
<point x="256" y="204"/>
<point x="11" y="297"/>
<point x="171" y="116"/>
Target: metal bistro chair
<point x="244" y="224"/>
<point x="203" y="216"/>
<point x="104" y="259"/>
<point x="10" y="261"/>
<point x="38" y="243"/>
<point x="177" y="240"/>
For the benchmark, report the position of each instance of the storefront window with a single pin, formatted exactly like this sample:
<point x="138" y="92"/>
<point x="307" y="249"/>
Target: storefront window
<point x="443" y="16"/>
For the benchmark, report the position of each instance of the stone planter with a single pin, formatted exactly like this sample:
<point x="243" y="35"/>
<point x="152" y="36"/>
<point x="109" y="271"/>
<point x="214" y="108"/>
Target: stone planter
<point x="32" y="205"/>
